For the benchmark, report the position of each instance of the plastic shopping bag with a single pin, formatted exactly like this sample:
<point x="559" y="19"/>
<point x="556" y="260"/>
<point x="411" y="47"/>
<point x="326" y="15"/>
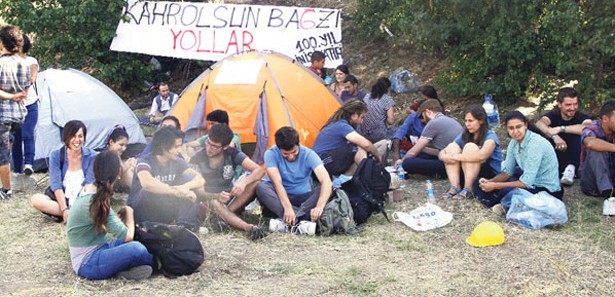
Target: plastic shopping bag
<point x="426" y="217"/>
<point x="404" y="81"/>
<point x="535" y="211"/>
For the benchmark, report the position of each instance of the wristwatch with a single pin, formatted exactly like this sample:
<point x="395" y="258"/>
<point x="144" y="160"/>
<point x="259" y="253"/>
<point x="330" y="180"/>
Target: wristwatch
<point x="562" y="129"/>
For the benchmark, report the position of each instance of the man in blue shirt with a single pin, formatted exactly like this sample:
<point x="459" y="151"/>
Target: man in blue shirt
<point x="287" y="191"/>
<point x="351" y="89"/>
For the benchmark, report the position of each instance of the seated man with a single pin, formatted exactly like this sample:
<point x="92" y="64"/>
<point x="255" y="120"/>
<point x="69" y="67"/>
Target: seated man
<point x="340" y="146"/>
<point x="167" y="121"/>
<point x="213" y="118"/>
<point x="563" y="125"/>
<point x="351" y="89"/>
<point x="407" y="134"/>
<point x="163" y="186"/>
<point x="162" y="103"/>
<point x="217" y="163"/>
<point x="287" y="190"/>
<point x="598" y="158"/>
<point x="439" y="131"/>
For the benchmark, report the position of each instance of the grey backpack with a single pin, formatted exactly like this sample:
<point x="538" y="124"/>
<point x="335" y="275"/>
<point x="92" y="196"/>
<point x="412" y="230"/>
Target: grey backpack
<point x="337" y="217"/>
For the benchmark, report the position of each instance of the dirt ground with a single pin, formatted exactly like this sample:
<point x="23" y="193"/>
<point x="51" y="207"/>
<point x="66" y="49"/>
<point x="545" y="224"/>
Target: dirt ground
<point x="387" y="259"/>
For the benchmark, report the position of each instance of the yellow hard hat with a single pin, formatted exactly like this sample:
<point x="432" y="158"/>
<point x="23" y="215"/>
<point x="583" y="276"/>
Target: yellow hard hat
<point x="486" y="234"/>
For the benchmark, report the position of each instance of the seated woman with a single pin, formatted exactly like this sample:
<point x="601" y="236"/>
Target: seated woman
<point x="532" y="154"/>
<point x="476" y="152"/>
<point x="379" y="111"/>
<point x="339" y="145"/>
<point x="100" y="244"/>
<point x="116" y="142"/>
<point x="70" y="169"/>
<point x="337" y="86"/>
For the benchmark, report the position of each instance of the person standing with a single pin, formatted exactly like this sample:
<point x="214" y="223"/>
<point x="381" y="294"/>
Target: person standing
<point x="23" y="137"/>
<point x="15" y="80"/>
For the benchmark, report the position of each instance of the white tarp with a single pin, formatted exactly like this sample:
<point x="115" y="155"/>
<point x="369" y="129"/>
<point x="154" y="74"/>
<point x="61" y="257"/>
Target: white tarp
<point x="212" y="31"/>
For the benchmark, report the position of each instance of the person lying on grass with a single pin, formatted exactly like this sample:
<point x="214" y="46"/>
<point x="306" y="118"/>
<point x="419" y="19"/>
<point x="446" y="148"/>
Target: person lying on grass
<point x="476" y="152"/>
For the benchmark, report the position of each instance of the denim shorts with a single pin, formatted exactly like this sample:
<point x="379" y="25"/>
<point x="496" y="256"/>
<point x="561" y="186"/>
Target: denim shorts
<point x="5" y="134"/>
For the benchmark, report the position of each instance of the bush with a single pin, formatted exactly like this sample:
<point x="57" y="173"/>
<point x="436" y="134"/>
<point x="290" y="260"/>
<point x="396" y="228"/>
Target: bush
<point x="77" y="34"/>
<point x="507" y="48"/>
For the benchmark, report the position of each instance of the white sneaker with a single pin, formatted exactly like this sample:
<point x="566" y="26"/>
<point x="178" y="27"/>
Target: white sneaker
<point x="277" y="225"/>
<point x="608" y="208"/>
<point x="499" y="209"/>
<point x="568" y="176"/>
<point x="27" y="169"/>
<point x="306" y="228"/>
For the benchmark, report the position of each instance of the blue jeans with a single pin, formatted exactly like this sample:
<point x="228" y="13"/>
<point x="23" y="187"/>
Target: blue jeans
<point x="164" y="209"/>
<point x="425" y="164"/>
<point x="25" y="155"/>
<point x="113" y="257"/>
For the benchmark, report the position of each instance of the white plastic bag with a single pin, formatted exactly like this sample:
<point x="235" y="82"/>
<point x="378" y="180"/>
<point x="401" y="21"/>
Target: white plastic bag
<point x="536" y="211"/>
<point x="426" y="217"/>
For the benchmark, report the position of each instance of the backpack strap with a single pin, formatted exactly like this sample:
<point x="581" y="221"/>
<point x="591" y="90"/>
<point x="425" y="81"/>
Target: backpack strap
<point x="62" y="157"/>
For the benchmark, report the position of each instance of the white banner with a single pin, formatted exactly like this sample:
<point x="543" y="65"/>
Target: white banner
<point x="209" y="31"/>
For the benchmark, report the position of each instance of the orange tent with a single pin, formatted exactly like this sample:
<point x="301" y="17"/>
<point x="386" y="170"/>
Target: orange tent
<point x="262" y="92"/>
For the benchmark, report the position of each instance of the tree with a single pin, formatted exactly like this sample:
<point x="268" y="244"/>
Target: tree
<point x="77" y="34"/>
<point x="507" y="48"/>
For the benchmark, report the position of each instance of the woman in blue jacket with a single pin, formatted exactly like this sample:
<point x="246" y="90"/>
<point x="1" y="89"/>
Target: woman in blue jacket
<point x="70" y="169"/>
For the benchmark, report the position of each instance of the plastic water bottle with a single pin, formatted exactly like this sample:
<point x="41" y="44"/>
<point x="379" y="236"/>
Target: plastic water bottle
<point x="493" y="117"/>
<point x="402" y="176"/>
<point x="431" y="197"/>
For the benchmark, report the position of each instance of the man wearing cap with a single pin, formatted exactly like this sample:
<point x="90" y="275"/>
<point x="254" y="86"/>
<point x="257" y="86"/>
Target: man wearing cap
<point x="439" y="131"/>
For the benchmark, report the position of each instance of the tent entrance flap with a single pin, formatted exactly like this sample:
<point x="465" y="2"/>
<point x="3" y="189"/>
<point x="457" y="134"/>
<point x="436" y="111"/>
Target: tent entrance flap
<point x="197" y="124"/>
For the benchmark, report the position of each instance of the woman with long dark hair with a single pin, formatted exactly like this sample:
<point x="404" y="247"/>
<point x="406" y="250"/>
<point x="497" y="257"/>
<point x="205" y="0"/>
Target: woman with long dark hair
<point x="530" y="164"/>
<point x="70" y="169"/>
<point x="339" y="145"/>
<point x="380" y="111"/>
<point x="100" y="244"/>
<point x="476" y="152"/>
<point x="117" y="142"/>
<point x="337" y="86"/>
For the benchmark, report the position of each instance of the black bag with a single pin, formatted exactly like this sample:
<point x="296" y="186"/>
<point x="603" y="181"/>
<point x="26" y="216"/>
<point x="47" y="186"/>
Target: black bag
<point x="367" y="189"/>
<point x="177" y="250"/>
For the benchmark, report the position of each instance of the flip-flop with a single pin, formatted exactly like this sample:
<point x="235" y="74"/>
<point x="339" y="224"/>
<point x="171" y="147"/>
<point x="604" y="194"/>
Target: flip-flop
<point x="462" y="196"/>
<point x="448" y="194"/>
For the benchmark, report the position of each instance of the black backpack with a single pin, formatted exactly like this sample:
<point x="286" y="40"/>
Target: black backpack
<point x="177" y="250"/>
<point x="367" y="190"/>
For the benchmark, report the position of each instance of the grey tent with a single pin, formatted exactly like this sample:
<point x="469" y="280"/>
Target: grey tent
<point x="69" y="94"/>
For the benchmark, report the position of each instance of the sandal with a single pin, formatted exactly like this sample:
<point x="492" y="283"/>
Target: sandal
<point x="462" y="196"/>
<point x="448" y="194"/>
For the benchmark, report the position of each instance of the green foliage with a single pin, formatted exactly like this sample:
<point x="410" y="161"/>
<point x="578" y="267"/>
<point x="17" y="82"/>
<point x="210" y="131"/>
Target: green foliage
<point x="507" y="48"/>
<point x="77" y="34"/>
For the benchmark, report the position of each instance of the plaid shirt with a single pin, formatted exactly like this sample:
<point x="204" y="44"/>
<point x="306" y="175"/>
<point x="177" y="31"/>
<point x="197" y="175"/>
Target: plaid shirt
<point x="594" y="130"/>
<point x="14" y="77"/>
